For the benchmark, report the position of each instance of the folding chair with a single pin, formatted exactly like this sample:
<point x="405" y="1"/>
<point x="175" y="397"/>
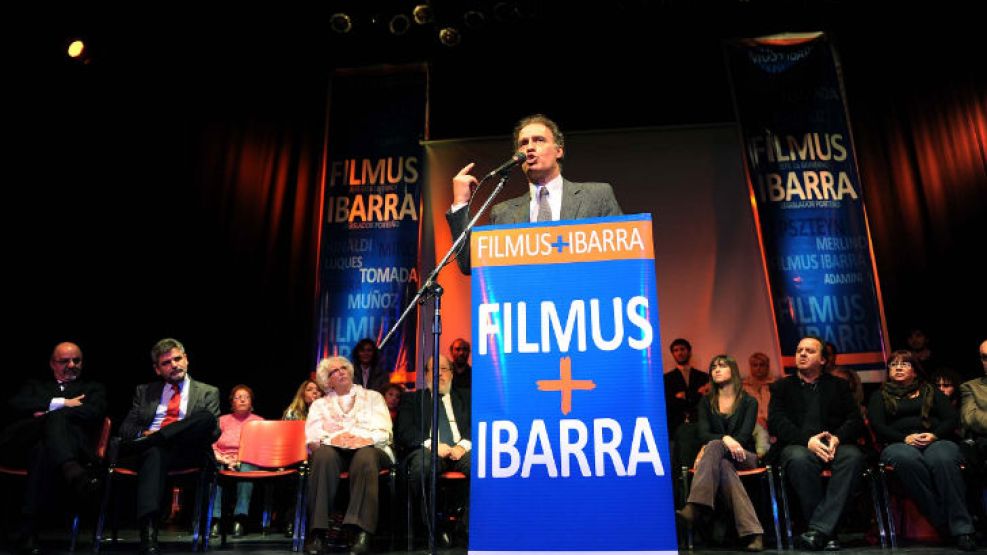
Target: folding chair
<point x="115" y="471"/>
<point x="767" y="477"/>
<point x="102" y="440"/>
<point x="278" y="447"/>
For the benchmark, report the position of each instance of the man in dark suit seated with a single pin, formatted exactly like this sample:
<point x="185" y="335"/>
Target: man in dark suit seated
<point x="817" y="423"/>
<point x="415" y="424"/>
<point x="55" y="421"/>
<point x="550" y="197"/>
<point x="172" y="424"/>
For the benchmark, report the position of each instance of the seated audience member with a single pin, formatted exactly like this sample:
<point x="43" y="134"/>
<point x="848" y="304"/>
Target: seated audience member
<point x="973" y="414"/>
<point x="948" y="382"/>
<point x="462" y="372"/>
<point x="54" y="422"/>
<point x="757" y="384"/>
<point x="684" y="386"/>
<point x="227" y="451"/>
<point x="816" y="423"/>
<point x="848" y="374"/>
<point x="918" y="344"/>
<point x="307" y="393"/>
<point x="414" y="431"/>
<point x="367" y="370"/>
<point x="348" y="429"/>
<point x="172" y="423"/>
<point x="913" y="419"/>
<point x="392" y="396"/>
<point x="726" y="424"/>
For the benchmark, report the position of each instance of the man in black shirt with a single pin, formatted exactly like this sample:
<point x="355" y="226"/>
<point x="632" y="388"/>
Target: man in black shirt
<point x="816" y="422"/>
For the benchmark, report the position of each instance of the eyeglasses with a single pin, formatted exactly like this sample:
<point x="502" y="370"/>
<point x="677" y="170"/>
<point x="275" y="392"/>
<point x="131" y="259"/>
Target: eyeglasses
<point x="171" y="361"/>
<point x="75" y="360"/>
<point x="900" y="364"/>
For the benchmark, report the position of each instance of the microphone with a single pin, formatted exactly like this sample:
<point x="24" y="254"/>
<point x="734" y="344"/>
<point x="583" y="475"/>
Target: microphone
<point x="517" y="159"/>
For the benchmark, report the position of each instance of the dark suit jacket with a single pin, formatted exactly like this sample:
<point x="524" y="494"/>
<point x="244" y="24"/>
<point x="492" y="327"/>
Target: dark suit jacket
<point x="676" y="408"/>
<point x="202" y="397"/>
<point x="36" y="395"/>
<point x="26" y="430"/>
<point x="378" y="377"/>
<point x="579" y="200"/>
<point x="839" y="413"/>
<point x="414" y="426"/>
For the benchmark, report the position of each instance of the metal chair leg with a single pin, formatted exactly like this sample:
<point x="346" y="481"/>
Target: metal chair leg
<point x="878" y="513"/>
<point x="888" y="511"/>
<point x="785" y="508"/>
<point x="774" y="506"/>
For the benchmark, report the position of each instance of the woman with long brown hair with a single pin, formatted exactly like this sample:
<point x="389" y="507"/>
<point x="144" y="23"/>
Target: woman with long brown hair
<point x="727" y="415"/>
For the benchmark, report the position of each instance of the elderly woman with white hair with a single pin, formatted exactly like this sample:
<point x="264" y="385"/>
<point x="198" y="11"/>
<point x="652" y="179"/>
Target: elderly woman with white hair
<point x="348" y="429"/>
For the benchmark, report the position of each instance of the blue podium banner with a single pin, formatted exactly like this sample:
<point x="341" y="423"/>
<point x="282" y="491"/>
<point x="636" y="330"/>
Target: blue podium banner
<point x="570" y="447"/>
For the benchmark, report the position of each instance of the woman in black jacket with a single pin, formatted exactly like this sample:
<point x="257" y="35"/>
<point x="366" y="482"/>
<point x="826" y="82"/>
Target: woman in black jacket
<point x="913" y="419"/>
<point x="726" y="428"/>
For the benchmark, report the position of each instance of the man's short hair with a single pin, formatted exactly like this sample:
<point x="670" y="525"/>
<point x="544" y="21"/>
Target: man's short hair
<point x="544" y="120"/>
<point x="164" y="347"/>
<point x="680" y="341"/>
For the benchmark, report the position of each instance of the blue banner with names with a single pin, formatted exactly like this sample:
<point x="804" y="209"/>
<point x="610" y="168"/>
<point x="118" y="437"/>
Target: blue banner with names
<point x="368" y="255"/>
<point x="809" y="206"/>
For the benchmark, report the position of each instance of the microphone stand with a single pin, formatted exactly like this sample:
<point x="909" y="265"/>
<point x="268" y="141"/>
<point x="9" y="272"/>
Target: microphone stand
<point x="432" y="289"/>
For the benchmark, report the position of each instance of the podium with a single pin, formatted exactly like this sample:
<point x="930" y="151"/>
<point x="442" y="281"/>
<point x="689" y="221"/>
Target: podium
<point x="570" y="445"/>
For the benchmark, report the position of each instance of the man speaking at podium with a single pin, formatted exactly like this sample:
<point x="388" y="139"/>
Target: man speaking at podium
<point x="550" y="196"/>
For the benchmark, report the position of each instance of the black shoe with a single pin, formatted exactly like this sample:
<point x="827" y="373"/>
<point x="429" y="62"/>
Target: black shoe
<point x="149" y="536"/>
<point x="315" y="541"/>
<point x="966" y="542"/>
<point x="832" y="545"/>
<point x="361" y="543"/>
<point x="812" y="540"/>
<point x="29" y="545"/>
<point x="238" y="529"/>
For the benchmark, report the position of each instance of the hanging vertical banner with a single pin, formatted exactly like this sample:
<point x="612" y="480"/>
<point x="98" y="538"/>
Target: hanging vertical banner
<point x="369" y="244"/>
<point x="806" y="193"/>
<point x="570" y="446"/>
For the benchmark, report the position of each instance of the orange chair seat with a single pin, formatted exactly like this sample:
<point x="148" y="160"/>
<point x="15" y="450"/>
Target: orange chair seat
<point x="248" y="474"/>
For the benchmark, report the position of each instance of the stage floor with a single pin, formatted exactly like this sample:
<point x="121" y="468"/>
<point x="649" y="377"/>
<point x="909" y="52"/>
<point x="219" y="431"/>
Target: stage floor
<point x="178" y="543"/>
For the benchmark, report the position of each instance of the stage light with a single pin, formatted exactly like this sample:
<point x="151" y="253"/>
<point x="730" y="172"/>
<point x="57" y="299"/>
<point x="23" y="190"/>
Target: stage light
<point x="399" y="24"/>
<point x="449" y="36"/>
<point x="76" y="49"/>
<point x="422" y="14"/>
<point x="340" y="23"/>
<point x="474" y="19"/>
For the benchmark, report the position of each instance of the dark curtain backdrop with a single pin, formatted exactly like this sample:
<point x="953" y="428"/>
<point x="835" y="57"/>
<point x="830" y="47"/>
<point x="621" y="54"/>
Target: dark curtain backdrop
<point x="919" y="115"/>
<point x="166" y="196"/>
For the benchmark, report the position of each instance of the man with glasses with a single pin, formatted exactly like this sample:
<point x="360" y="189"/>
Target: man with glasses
<point x="172" y="423"/>
<point x="454" y="445"/>
<point x="54" y="423"/>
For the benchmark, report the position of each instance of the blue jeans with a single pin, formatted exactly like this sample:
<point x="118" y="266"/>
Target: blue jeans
<point x="244" y="490"/>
